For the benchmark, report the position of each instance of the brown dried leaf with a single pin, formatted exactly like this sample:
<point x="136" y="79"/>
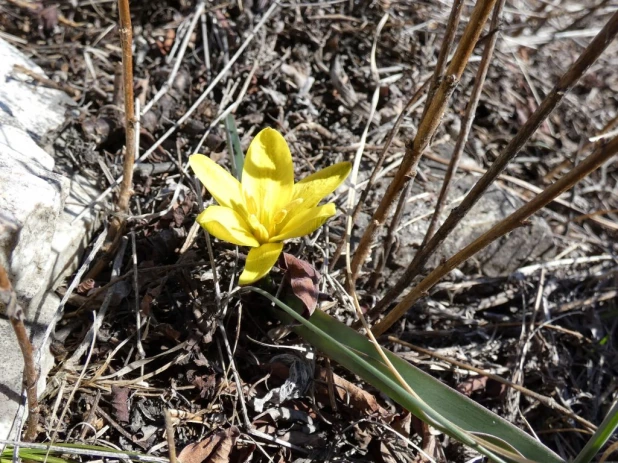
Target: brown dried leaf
<point x="303" y="280"/>
<point x="214" y="449"/>
<point x="120" y="403"/>
<point x="402" y="423"/>
<point x="85" y="286"/>
<point x="360" y="400"/>
<point x="476" y="383"/>
<point x="429" y="443"/>
<point x="148" y="299"/>
<point x="207" y="385"/>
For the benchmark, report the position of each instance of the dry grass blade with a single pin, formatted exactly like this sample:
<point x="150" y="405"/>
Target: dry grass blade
<point x="427" y="127"/>
<point x="568" y="80"/>
<point x="516" y="219"/>
<point x="359" y="152"/>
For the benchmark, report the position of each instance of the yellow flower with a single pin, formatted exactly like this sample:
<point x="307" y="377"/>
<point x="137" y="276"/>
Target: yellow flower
<point x="266" y="207"/>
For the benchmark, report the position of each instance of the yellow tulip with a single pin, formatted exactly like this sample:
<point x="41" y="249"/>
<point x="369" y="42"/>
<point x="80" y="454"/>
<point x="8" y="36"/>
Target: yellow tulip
<point x="266" y="207"/>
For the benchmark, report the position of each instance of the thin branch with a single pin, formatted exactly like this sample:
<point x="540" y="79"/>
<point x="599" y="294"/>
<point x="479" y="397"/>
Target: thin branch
<point x="169" y="433"/>
<point x="117" y="223"/>
<point x="126" y="40"/>
<point x="192" y="109"/>
<point x="427" y="127"/>
<point x="462" y="139"/>
<point x="15" y="313"/>
<point x="517" y="219"/>
<point x="376" y="169"/>
<point x="438" y="75"/>
<point x="567" y="81"/>
<point x="445" y="50"/>
<point x="390" y="238"/>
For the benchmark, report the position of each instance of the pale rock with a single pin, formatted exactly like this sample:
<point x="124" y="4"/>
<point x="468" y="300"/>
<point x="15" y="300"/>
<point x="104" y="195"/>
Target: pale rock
<point x="40" y="243"/>
<point x="523" y="245"/>
<point x="34" y="108"/>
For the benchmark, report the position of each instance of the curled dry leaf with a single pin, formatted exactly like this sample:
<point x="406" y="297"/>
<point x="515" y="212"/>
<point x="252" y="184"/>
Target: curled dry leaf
<point x="473" y="384"/>
<point x="85" y="286"/>
<point x="214" y="449"/>
<point x="120" y="403"/>
<point x="303" y="280"/>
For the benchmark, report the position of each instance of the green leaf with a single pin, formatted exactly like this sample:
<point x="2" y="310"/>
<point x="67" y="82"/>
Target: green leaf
<point x="434" y="403"/>
<point x="233" y="147"/>
<point x="600" y="437"/>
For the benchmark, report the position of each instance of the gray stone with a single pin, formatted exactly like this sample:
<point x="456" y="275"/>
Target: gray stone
<point x="40" y="244"/>
<point x="523" y="245"/>
<point x="33" y="108"/>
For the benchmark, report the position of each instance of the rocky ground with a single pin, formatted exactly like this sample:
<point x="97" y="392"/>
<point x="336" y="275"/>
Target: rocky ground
<point x="537" y="308"/>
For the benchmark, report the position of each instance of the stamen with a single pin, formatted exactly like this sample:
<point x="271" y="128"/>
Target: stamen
<point x="280" y="216"/>
<point x="250" y="203"/>
<point x="292" y="204"/>
<point x="259" y="231"/>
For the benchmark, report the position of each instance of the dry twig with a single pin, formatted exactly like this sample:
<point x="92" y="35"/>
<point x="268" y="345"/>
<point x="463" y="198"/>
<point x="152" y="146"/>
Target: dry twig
<point x="547" y="401"/>
<point x="15" y="313"/>
<point x="466" y="125"/>
<point x="118" y="221"/>
<point x="438" y="76"/>
<point x="376" y="169"/>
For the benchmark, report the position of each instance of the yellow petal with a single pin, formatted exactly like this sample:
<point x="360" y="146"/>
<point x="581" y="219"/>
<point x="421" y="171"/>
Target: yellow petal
<point x="227" y="225"/>
<point x="259" y="262"/>
<point x="219" y="182"/>
<point x="305" y="222"/>
<point x="268" y="174"/>
<point x="317" y="186"/>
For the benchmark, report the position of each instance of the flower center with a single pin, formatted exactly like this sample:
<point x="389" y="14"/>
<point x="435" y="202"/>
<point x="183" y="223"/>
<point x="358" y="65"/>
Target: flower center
<point x="259" y="230"/>
<point x="283" y="214"/>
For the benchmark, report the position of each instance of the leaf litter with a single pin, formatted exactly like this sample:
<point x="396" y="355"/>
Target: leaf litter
<point x="550" y="328"/>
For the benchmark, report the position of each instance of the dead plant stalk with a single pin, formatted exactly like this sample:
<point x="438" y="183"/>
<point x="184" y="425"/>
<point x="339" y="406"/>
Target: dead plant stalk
<point x="16" y="315"/>
<point x="468" y="118"/>
<point x="564" y="85"/>
<point x="118" y="222"/>
<point x="517" y="219"/>
<point x="437" y="77"/>
<point x="126" y="40"/>
<point x="433" y="115"/>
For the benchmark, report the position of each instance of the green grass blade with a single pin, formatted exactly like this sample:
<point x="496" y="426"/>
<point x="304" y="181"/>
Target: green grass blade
<point x="233" y="147"/>
<point x="440" y="406"/>
<point x="25" y="455"/>
<point x="38" y="452"/>
<point x="600" y="437"/>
